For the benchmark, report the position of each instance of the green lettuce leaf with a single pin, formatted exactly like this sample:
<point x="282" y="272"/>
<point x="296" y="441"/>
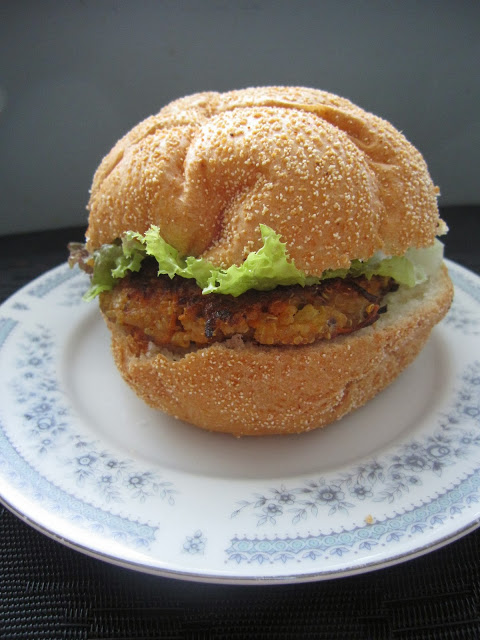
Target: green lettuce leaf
<point x="411" y="269"/>
<point x="169" y="261"/>
<point x="400" y="268"/>
<point x="262" y="270"/>
<point x="114" y="261"/>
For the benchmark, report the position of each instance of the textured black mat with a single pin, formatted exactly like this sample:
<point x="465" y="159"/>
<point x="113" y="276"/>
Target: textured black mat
<point x="48" y="591"/>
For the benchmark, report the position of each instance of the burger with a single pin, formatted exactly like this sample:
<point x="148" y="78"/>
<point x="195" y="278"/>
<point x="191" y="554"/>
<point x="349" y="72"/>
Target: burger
<point x="267" y="259"/>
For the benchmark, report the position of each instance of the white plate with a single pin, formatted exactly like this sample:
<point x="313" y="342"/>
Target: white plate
<point x="83" y="460"/>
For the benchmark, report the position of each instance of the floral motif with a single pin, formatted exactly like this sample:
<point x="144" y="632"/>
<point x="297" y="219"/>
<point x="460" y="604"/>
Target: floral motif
<point x="22" y="475"/>
<point x="383" y="480"/>
<point x="195" y="545"/>
<point x="354" y="541"/>
<point x="116" y="479"/>
<point x="20" y="306"/>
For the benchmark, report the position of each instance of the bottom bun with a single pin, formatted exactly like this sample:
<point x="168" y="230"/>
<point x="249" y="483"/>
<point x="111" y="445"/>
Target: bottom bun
<point x="247" y="389"/>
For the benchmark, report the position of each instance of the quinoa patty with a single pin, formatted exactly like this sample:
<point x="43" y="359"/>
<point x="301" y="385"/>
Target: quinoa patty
<point x="174" y="313"/>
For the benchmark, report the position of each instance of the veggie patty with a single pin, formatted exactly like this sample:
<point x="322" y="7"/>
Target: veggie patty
<point x="174" y="313"/>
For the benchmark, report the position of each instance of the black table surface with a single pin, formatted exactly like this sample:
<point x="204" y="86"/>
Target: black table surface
<point x="49" y="591"/>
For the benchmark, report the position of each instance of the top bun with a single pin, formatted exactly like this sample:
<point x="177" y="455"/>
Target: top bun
<point x="336" y="182"/>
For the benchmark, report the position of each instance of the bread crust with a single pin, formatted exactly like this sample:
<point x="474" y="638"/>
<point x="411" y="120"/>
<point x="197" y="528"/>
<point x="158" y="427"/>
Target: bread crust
<point x="245" y="389"/>
<point x="337" y="182"/>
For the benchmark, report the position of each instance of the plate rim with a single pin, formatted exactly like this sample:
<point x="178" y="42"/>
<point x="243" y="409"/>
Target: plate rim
<point x="245" y="580"/>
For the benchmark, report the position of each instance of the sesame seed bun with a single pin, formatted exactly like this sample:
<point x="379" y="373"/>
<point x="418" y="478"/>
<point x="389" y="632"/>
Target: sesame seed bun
<point x="336" y="182"/>
<point x="246" y="389"/>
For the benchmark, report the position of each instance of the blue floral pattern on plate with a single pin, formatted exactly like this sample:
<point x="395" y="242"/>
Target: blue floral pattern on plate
<point x="364" y="538"/>
<point x="195" y="544"/>
<point x="47" y="419"/>
<point x="142" y="511"/>
<point x="385" y="479"/>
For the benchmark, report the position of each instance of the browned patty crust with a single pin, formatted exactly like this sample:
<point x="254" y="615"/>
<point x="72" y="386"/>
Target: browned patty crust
<point x="175" y="313"/>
